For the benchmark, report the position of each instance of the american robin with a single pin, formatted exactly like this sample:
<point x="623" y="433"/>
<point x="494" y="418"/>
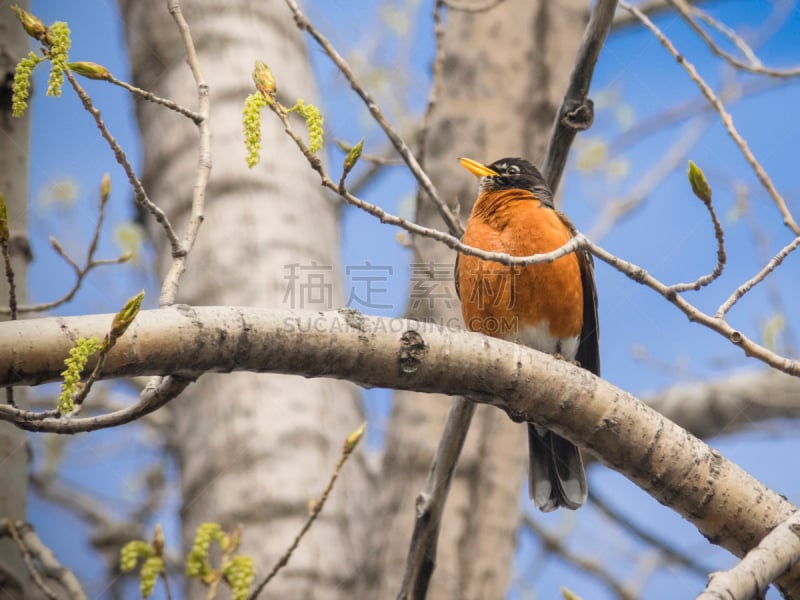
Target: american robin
<point x="551" y="307"/>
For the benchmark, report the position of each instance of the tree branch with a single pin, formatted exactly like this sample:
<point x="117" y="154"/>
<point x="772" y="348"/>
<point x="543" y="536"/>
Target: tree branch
<point x="776" y="554"/>
<point x="577" y="110"/>
<point x="726" y="504"/>
<point x="33" y="549"/>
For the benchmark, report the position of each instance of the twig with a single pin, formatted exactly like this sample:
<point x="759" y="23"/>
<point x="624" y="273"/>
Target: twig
<point x="719" y="235"/>
<point x="672" y="553"/>
<point x="553" y="543"/>
<point x="757" y="278"/>
<point x="28" y="560"/>
<point x="424" y="181"/>
<point x="750" y="578"/>
<point x="140" y="195"/>
<point x="725" y="116"/>
<point x="80" y="272"/>
<point x="754" y="66"/>
<point x="391" y="219"/>
<point x="30" y="544"/>
<point x="421" y="558"/>
<point x="315" y="510"/>
<point x="151" y="97"/>
<point x="169" y="287"/>
<point x="762" y="243"/>
<point x="154" y="396"/>
<point x="729" y="33"/>
<point x="577" y="110"/>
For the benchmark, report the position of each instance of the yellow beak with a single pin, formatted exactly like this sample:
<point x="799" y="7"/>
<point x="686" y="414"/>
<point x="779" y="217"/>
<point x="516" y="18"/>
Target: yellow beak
<point x="476" y="168"/>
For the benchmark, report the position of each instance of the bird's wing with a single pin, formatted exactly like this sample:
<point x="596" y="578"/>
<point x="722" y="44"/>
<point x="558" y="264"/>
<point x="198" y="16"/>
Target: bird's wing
<point x="589" y="347"/>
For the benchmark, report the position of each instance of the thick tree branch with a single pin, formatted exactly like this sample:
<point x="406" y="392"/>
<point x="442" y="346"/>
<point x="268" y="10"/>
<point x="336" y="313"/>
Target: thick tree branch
<point x="727" y="505"/>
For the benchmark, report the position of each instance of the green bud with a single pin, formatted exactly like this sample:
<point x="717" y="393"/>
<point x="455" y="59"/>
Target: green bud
<point x="698" y="182"/>
<point x="352" y="157"/>
<point x="126" y="315"/>
<point x="90" y="70"/>
<point x="31" y="24"/>
<point x="264" y="80"/>
<point x="105" y="188"/>
<point x="352" y="440"/>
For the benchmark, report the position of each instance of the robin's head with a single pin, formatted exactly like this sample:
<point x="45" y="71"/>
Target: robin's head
<point x="510" y="174"/>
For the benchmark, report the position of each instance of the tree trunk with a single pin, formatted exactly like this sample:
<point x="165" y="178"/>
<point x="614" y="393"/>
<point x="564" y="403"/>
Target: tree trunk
<point x="505" y="72"/>
<point x="14" y="152"/>
<point x="252" y="449"/>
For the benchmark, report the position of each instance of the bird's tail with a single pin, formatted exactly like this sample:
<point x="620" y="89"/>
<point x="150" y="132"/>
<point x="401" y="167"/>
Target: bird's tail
<point x="556" y="475"/>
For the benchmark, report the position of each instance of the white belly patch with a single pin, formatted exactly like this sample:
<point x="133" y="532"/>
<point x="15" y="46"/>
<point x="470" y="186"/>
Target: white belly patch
<point x="539" y="338"/>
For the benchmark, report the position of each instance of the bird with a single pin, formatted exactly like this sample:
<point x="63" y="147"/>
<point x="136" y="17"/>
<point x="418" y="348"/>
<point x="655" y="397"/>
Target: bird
<point x="551" y="307"/>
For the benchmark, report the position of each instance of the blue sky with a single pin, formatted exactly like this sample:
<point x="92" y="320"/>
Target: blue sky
<point x="646" y="343"/>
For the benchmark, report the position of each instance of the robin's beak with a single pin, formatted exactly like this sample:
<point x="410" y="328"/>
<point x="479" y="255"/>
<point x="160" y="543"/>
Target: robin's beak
<point x="476" y="168"/>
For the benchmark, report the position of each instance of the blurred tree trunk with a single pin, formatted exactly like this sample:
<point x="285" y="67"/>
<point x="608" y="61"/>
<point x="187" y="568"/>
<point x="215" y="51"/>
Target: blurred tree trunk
<point x="14" y="152"/>
<point x="525" y="49"/>
<point x="253" y="449"/>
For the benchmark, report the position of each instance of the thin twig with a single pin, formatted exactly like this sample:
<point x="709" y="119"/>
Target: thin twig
<point x="155" y="395"/>
<point x="169" y="287"/>
<point x="757" y="278"/>
<point x="754" y="66"/>
<point x="315" y="510"/>
<point x="762" y="242"/>
<point x="725" y="116"/>
<point x="410" y="226"/>
<point x="28" y="560"/>
<point x="577" y="110"/>
<point x="28" y="542"/>
<point x="424" y="181"/>
<point x="151" y="97"/>
<point x="140" y="195"/>
<point x="729" y="33"/>
<point x="80" y="271"/>
<point x="722" y="258"/>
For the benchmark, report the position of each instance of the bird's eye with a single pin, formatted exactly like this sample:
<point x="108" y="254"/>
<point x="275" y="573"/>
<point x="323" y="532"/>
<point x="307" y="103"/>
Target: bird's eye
<point x="512" y="170"/>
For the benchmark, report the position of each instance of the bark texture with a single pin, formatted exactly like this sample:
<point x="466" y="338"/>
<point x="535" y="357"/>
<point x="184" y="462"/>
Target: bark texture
<point x="252" y="449"/>
<point x="504" y="75"/>
<point x="728" y="506"/>
<point x="14" y="154"/>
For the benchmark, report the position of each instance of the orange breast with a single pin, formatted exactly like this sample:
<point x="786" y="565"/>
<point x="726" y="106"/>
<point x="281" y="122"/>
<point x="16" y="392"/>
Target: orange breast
<point x="499" y="300"/>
